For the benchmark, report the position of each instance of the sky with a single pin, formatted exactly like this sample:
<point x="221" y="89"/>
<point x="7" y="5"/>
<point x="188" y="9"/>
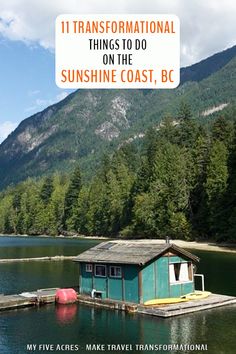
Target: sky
<point x="27" y="79"/>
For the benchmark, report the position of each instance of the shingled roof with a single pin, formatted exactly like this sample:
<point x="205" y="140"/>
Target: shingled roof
<point x="130" y="252"/>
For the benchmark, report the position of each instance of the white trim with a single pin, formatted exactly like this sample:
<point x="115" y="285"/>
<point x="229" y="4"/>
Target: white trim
<point x="115" y="276"/>
<point x="88" y="267"/>
<point x="172" y="274"/>
<point x="192" y="273"/>
<point x="203" y="280"/>
<point x="183" y="273"/>
<point x="181" y="282"/>
<point x="98" y="275"/>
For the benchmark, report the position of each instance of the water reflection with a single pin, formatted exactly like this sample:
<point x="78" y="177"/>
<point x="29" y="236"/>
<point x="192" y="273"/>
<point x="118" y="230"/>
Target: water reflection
<point x="65" y="314"/>
<point x="84" y="325"/>
<point x="181" y="331"/>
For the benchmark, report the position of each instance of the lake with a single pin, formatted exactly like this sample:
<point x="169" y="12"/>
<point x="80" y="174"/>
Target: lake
<point x="81" y="325"/>
<point x="19" y="277"/>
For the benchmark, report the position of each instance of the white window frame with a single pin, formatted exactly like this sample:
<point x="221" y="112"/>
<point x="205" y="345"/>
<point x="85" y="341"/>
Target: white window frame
<point x="99" y="275"/>
<point x="181" y="281"/>
<point x="88" y="267"/>
<point x="115" y="268"/>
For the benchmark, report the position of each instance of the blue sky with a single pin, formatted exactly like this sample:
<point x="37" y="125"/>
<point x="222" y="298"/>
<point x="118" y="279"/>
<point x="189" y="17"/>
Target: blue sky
<point x="27" y="44"/>
<point x="27" y="82"/>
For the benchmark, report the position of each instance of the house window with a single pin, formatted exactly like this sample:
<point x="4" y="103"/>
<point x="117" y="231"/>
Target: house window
<point x="115" y="272"/>
<point x="89" y="268"/>
<point x="100" y="270"/>
<point x="180" y="272"/>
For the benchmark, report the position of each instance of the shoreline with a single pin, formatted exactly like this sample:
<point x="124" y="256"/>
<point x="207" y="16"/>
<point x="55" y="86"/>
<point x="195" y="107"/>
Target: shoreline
<point x="207" y="246"/>
<point x="201" y="246"/>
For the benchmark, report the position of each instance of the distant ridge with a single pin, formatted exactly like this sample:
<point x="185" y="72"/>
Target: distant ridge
<point x="208" y="66"/>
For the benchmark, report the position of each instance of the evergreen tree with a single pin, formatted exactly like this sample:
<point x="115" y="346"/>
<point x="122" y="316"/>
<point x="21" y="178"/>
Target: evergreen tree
<point x="168" y="130"/>
<point x="222" y="130"/>
<point x="184" y="112"/>
<point x="217" y="172"/>
<point x="227" y="225"/>
<point x="71" y="196"/>
<point x="188" y="128"/>
<point x="197" y="162"/>
<point x="143" y="177"/>
<point x="216" y="182"/>
<point x="56" y="206"/>
<point x="80" y="217"/>
<point x="46" y="190"/>
<point x="98" y="212"/>
<point x="167" y="198"/>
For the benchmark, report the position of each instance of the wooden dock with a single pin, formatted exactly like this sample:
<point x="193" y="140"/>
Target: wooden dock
<point x="8" y="302"/>
<point x="213" y="301"/>
<point x="46" y="296"/>
<point x="26" y="299"/>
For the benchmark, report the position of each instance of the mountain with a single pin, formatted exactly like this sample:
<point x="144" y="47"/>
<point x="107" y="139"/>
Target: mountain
<point x="89" y="123"/>
<point x="206" y="67"/>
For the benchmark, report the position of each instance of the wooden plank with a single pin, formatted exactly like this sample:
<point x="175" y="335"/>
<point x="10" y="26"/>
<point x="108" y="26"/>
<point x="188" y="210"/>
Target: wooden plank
<point x="213" y="301"/>
<point x="164" y="311"/>
<point x="38" y="297"/>
<point x="14" y="301"/>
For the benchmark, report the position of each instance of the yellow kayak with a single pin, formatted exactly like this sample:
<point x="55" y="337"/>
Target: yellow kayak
<point x="165" y="301"/>
<point x="196" y="295"/>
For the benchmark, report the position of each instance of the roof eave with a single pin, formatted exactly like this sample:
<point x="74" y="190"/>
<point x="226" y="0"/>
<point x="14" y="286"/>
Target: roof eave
<point x="185" y="253"/>
<point x="172" y="246"/>
<point x="106" y="261"/>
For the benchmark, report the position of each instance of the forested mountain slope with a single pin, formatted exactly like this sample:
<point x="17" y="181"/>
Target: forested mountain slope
<point x="89" y="123"/>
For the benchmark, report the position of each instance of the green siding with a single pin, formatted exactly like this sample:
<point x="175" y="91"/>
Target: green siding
<point x="187" y="288"/>
<point x="131" y="283"/>
<point x="162" y="274"/>
<point x="148" y="282"/>
<point x="175" y="290"/>
<point x="112" y="287"/>
<point x="100" y="284"/>
<point x="86" y="280"/>
<point x="115" y="288"/>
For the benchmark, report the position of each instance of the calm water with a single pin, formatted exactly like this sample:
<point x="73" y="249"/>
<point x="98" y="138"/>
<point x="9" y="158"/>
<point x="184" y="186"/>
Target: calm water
<point x="219" y="271"/>
<point x="81" y="325"/>
<point x="19" y="277"/>
<point x="23" y="247"/>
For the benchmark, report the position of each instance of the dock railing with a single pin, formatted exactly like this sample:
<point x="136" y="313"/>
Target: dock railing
<point x="203" y="280"/>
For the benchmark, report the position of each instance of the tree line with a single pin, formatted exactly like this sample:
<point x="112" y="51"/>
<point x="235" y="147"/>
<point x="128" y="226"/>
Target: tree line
<point x="181" y="182"/>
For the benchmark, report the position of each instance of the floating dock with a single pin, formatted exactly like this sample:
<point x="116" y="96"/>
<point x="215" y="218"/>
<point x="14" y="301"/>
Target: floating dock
<point x="46" y="296"/>
<point x="26" y="299"/>
<point x="213" y="301"/>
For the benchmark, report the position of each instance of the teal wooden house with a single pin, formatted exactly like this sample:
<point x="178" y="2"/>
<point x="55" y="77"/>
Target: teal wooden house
<point x="136" y="271"/>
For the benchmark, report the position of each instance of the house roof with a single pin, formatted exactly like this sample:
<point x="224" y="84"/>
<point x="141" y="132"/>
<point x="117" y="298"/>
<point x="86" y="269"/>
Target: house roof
<point x="130" y="252"/>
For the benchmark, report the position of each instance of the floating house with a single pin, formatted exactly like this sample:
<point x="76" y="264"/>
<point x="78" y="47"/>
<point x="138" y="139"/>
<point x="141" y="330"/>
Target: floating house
<point x="136" y="271"/>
